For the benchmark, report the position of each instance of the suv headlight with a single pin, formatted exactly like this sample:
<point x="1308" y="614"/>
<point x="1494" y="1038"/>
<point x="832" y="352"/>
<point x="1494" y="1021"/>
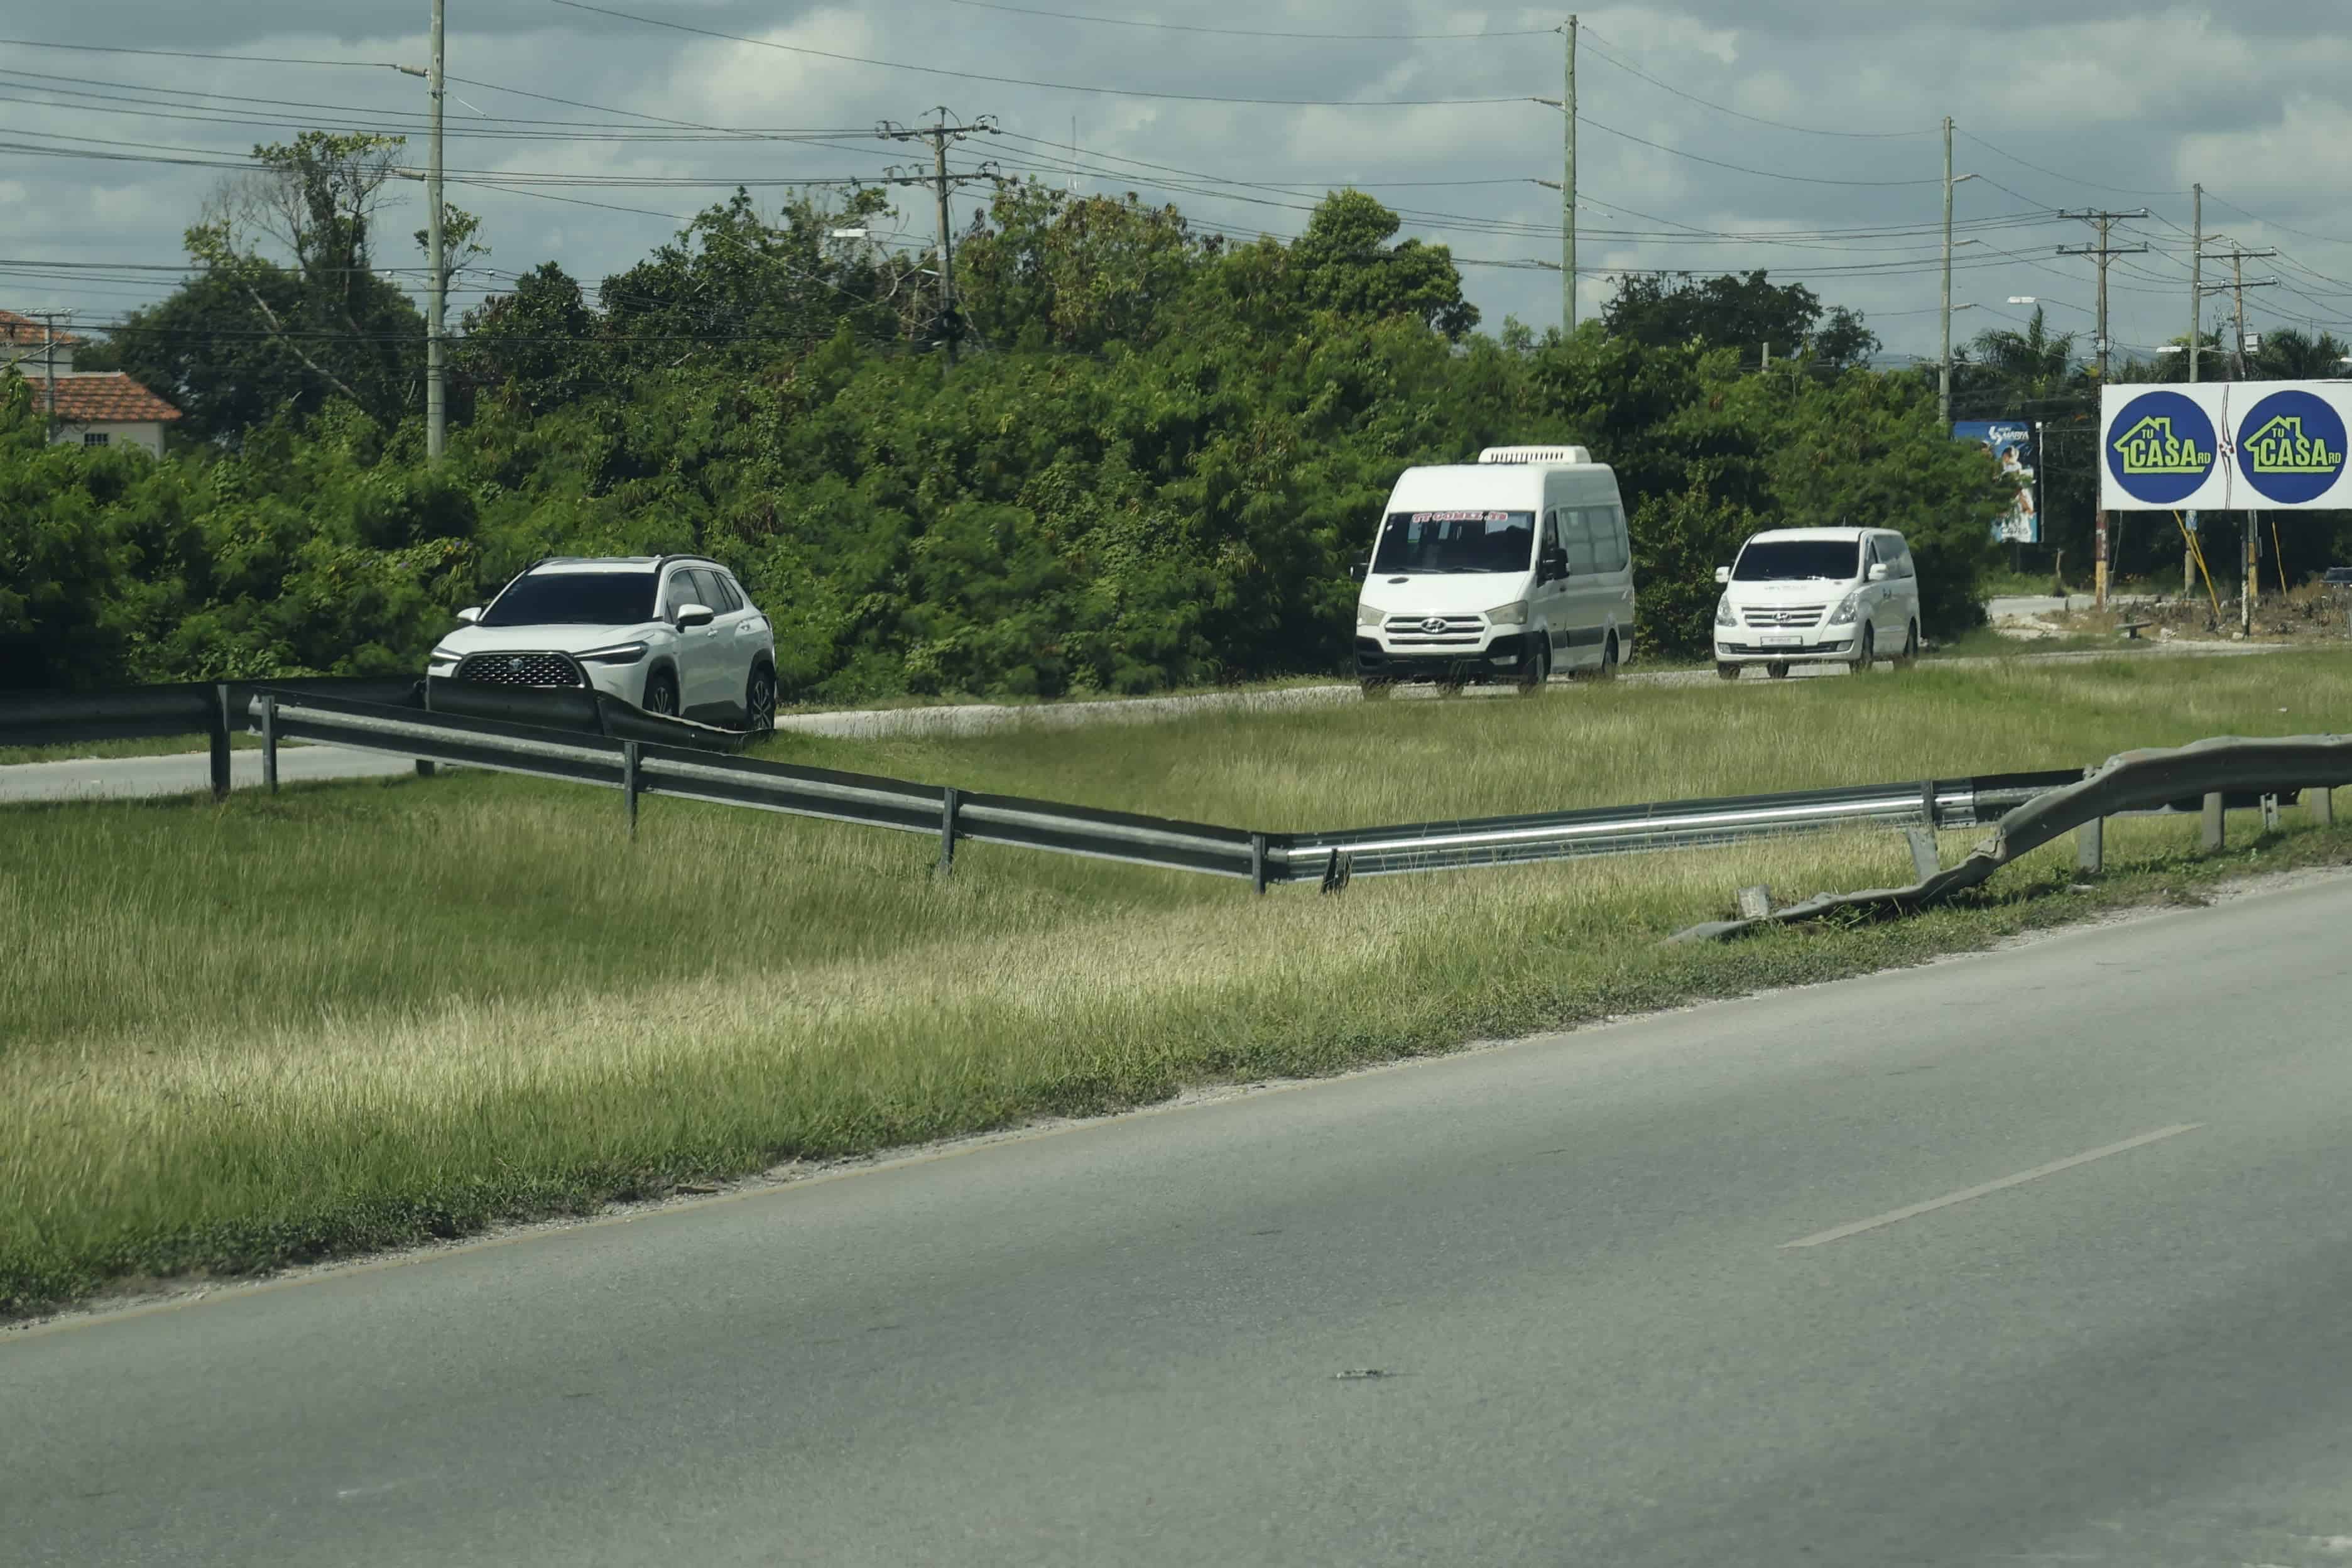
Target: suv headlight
<point x="441" y="657"/>
<point x="1844" y="614"/>
<point x="1514" y="614"/>
<point x="1368" y="616"/>
<point x="1723" y="616"/>
<point x="623" y="653"/>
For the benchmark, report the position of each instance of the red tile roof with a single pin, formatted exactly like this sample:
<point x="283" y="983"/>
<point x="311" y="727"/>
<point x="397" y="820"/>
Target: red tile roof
<point x="103" y="397"/>
<point x="16" y="329"/>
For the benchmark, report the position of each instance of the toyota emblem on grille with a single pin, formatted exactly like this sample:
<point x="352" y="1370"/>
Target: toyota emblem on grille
<point x="514" y="663"/>
<point x="1434" y="626"/>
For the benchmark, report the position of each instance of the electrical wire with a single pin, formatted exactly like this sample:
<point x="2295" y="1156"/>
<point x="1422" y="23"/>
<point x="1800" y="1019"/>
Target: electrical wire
<point x="1586" y="31"/>
<point x="1255" y="32"/>
<point x="1052" y="86"/>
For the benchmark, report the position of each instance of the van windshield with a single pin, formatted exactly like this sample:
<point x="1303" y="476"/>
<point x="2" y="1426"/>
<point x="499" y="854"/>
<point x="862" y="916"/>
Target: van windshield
<point x="1798" y="560"/>
<point x="1414" y="543"/>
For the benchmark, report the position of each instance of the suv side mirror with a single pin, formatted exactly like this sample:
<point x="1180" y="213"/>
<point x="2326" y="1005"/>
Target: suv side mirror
<point x="1357" y="569"/>
<point x="1723" y="575"/>
<point x="692" y="616"/>
<point x="1878" y="570"/>
<point x="470" y="616"/>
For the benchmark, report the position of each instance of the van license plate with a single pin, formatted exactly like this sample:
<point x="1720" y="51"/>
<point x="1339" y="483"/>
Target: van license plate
<point x="1780" y="639"/>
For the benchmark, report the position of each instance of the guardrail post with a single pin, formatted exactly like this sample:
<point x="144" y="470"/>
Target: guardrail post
<point x="1925" y="858"/>
<point x="1336" y="871"/>
<point x="2270" y="814"/>
<point x="2090" y="846"/>
<point x="1257" y="862"/>
<point x="1928" y="805"/>
<point x="424" y="767"/>
<point x="950" y="805"/>
<point x="269" y="744"/>
<point x="628" y="783"/>
<point x="217" y="736"/>
<point x="2216" y="832"/>
<point x="2323" y="806"/>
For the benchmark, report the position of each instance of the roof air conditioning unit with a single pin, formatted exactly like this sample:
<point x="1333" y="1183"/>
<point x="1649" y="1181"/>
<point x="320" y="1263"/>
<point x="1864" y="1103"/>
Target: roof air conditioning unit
<point x="1535" y="455"/>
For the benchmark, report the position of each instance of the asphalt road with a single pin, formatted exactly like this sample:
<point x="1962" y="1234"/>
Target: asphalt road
<point x="1622" y="1288"/>
<point x="116" y="778"/>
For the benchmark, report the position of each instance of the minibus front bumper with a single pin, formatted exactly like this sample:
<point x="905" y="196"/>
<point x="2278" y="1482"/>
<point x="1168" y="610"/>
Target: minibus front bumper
<point x="1504" y="655"/>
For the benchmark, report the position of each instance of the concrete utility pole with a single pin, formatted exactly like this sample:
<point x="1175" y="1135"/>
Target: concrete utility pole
<point x="2196" y="342"/>
<point x="1944" y="361"/>
<point x="437" y="364"/>
<point x="941" y="134"/>
<point x="1568" y="192"/>
<point x="2105" y="253"/>
<point x="49" y="319"/>
<point x="2250" y="543"/>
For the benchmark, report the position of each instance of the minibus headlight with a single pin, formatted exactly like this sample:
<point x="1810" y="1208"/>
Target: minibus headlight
<point x="1368" y="616"/>
<point x="1514" y="614"/>
<point x="1723" y="616"/>
<point x="1844" y="614"/>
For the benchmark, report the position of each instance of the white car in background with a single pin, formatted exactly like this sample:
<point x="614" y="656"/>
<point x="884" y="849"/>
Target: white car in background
<point x="1813" y="595"/>
<point x="670" y="634"/>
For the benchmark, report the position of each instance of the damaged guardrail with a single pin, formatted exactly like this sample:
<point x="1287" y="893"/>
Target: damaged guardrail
<point x="2207" y="771"/>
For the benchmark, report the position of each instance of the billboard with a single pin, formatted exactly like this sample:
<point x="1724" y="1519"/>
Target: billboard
<point x="2012" y="441"/>
<point x="2266" y="445"/>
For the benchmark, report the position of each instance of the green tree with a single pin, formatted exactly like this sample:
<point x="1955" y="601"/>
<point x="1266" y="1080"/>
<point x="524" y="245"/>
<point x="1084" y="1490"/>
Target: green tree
<point x="1745" y="312"/>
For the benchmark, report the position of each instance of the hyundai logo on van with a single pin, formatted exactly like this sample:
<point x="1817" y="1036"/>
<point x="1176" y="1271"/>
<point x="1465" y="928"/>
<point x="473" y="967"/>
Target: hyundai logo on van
<point x="1434" y="626"/>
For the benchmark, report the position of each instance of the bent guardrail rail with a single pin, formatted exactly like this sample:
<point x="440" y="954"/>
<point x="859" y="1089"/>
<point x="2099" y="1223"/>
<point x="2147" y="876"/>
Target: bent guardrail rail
<point x="2154" y="779"/>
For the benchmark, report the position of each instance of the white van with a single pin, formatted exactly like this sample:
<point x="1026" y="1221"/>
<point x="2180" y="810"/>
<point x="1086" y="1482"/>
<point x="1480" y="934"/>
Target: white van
<point x="1507" y="568"/>
<point x="1798" y="596"/>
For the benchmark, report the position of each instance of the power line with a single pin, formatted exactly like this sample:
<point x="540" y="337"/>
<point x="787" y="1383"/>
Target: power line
<point x="1587" y="31"/>
<point x="1250" y="32"/>
<point x="194" y="54"/>
<point x="2071" y="179"/>
<point x="1696" y="158"/>
<point x="1053" y="86"/>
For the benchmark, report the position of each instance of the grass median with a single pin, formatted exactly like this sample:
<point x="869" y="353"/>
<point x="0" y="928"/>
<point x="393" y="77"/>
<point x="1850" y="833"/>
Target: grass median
<point x="355" y="1016"/>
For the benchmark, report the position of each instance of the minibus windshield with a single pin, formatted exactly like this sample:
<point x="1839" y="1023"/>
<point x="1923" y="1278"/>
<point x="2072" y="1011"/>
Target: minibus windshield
<point x="1415" y="543"/>
<point x="1797" y="561"/>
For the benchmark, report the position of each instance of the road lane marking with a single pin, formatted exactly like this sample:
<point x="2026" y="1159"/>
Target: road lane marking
<point x="1949" y="1199"/>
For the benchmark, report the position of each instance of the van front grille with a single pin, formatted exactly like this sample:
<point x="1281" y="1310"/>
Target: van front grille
<point x="1785" y="614"/>
<point x="1435" y="631"/>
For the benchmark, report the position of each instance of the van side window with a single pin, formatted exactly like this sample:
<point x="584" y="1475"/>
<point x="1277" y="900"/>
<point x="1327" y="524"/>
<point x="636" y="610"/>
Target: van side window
<point x="1576" y="537"/>
<point x="1548" y="540"/>
<point x="1608" y="527"/>
<point x="1902" y="553"/>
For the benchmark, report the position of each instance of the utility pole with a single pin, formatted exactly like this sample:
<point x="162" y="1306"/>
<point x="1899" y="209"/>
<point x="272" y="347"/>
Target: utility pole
<point x="1568" y="193"/>
<point x="2251" y="543"/>
<point x="942" y="135"/>
<point x="2104" y="252"/>
<point x="1944" y="358"/>
<point x="437" y="364"/>
<point x="2196" y="342"/>
<point x="48" y="320"/>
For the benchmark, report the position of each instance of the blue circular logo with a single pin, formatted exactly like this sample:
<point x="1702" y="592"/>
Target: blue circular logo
<point x="2160" y="447"/>
<point x="2291" y="447"/>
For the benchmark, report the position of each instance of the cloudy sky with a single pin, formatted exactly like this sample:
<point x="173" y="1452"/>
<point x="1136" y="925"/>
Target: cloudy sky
<point x="1799" y="135"/>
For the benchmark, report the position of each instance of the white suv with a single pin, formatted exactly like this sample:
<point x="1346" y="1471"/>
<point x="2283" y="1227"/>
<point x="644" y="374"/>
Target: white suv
<point x="669" y="633"/>
<point x="1798" y="596"/>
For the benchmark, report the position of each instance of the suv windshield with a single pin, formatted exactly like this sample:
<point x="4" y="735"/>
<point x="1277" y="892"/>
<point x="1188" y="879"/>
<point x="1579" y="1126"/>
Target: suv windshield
<point x="574" y="599"/>
<point x="1798" y="560"/>
<point x="1419" y="542"/>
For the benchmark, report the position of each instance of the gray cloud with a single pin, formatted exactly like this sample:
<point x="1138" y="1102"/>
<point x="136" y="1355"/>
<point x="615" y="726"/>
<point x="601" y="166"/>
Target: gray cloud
<point x="2092" y="107"/>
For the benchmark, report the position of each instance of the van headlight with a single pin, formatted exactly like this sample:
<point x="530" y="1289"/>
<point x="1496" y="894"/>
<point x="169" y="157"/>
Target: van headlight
<point x="1514" y="614"/>
<point x="1844" y="614"/>
<point x="1723" y="616"/>
<point x="1368" y="616"/>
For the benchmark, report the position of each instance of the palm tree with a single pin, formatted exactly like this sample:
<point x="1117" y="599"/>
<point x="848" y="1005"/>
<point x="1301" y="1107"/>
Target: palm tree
<point x="2290" y="356"/>
<point x="2022" y="373"/>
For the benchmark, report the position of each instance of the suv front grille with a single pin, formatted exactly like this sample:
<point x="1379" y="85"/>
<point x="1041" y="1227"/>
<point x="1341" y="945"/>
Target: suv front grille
<point x="520" y="669"/>
<point x="1786" y="615"/>
<point x="1459" y="631"/>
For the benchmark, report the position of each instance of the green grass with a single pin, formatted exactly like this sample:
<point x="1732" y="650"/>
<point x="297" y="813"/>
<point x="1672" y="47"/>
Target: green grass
<point x="355" y="1016"/>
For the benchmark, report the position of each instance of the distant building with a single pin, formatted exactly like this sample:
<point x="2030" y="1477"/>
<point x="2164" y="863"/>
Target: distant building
<point x="86" y="407"/>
